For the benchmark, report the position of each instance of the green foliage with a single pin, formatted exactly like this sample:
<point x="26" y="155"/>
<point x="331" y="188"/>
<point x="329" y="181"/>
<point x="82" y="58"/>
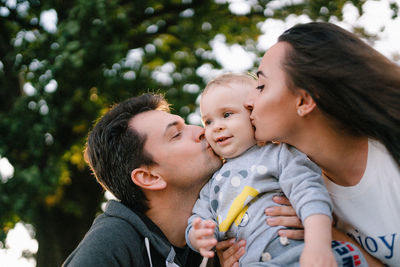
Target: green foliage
<point x="43" y="134"/>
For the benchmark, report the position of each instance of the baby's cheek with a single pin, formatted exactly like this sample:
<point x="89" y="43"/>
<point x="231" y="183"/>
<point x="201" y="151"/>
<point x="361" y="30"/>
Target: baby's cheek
<point x="207" y="134"/>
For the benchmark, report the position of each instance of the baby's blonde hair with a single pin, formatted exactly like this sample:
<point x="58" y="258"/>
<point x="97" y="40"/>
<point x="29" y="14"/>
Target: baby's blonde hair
<point x="227" y="79"/>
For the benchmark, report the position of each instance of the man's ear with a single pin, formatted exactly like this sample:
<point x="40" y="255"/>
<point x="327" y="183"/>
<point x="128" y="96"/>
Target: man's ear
<point x="146" y="178"/>
<point x="305" y="103"/>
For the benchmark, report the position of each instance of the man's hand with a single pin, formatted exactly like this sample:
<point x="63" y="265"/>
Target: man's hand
<point x="285" y="216"/>
<point x="229" y="252"/>
<point x="202" y="237"/>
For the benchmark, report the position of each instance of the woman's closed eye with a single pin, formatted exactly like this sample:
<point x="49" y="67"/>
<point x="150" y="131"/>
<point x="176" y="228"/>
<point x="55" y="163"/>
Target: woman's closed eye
<point x="260" y="87"/>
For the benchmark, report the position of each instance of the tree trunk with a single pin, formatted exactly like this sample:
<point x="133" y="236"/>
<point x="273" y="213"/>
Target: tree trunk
<point x="60" y="228"/>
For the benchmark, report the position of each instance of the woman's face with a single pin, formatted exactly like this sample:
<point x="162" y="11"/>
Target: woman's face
<point x="273" y="105"/>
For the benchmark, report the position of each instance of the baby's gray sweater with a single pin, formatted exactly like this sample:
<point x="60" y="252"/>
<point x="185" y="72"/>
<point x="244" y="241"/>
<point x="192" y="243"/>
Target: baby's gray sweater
<point x="238" y="193"/>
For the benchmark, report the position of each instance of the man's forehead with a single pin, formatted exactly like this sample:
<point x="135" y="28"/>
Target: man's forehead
<point x="152" y="122"/>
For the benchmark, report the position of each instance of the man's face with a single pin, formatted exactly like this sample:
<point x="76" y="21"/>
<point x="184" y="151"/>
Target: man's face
<point x="184" y="158"/>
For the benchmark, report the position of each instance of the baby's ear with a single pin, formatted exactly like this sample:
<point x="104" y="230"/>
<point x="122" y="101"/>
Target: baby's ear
<point x="146" y="178"/>
<point x="305" y="103"/>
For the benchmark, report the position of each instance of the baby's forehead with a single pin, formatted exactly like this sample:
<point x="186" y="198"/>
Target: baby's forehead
<point x="223" y="93"/>
<point x="234" y="87"/>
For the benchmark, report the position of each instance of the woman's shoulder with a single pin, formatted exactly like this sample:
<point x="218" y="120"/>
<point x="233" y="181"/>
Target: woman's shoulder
<point x="379" y="156"/>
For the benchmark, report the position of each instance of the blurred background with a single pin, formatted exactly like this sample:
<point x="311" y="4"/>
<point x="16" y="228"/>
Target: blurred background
<point x="63" y="63"/>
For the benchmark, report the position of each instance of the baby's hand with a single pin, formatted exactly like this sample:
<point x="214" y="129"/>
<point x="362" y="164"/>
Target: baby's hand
<point x="202" y="237"/>
<point x="317" y="256"/>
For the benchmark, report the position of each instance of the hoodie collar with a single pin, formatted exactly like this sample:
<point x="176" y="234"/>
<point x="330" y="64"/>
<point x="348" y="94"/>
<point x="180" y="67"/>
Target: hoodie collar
<point x="145" y="227"/>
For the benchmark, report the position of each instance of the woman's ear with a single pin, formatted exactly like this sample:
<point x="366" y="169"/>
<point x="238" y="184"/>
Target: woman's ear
<point x="305" y="103"/>
<point x="146" y="178"/>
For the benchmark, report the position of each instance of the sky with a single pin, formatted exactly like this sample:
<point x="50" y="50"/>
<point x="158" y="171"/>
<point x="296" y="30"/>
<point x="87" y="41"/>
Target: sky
<point x="376" y="20"/>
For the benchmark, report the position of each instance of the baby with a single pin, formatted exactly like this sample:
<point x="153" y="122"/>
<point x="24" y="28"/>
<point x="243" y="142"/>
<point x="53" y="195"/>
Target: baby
<point x="232" y="203"/>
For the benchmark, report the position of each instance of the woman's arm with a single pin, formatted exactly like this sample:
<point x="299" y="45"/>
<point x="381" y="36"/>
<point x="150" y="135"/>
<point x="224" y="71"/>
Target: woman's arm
<point x="286" y="216"/>
<point x="338" y="235"/>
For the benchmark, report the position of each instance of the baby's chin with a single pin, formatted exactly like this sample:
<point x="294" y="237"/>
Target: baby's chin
<point x="236" y="153"/>
<point x="225" y="155"/>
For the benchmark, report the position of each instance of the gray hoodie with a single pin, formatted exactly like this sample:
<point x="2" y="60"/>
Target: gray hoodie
<point x="122" y="237"/>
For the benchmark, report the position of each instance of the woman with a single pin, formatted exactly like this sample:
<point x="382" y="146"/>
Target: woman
<point x="326" y="92"/>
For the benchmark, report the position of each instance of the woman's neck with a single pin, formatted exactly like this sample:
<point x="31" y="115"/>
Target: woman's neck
<point x="342" y="157"/>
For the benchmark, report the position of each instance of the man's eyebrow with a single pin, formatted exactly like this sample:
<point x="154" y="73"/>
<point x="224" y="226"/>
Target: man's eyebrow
<point x="260" y="73"/>
<point x="172" y="124"/>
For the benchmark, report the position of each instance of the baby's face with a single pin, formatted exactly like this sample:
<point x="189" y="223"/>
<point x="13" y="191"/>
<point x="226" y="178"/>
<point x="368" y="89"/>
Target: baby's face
<point x="226" y="121"/>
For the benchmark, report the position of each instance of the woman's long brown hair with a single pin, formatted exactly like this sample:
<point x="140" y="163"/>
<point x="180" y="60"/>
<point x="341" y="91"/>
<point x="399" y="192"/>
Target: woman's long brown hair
<point x="350" y="81"/>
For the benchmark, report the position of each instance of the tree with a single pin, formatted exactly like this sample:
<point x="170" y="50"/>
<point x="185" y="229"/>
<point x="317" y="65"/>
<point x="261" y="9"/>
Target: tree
<point x="55" y="83"/>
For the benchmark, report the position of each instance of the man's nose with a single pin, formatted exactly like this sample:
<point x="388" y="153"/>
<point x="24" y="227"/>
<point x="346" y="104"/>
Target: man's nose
<point x="198" y="133"/>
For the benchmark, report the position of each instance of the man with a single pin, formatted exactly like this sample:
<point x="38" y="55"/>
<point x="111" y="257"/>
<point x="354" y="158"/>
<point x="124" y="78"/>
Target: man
<point x="155" y="164"/>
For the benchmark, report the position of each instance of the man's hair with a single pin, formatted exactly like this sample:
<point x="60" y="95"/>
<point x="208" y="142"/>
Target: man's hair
<point x="114" y="149"/>
<point x="228" y="79"/>
<point x="350" y="82"/>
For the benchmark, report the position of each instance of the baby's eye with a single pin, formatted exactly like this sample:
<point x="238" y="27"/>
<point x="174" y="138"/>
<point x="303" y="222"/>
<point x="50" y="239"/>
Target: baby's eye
<point x="227" y="114"/>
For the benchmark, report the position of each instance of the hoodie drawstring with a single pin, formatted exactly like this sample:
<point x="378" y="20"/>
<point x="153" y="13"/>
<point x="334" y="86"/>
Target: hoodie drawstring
<point x="147" y="244"/>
